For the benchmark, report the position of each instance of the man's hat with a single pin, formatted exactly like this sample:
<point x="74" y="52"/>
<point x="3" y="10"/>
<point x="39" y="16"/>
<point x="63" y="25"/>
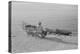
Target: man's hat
<point x="39" y="23"/>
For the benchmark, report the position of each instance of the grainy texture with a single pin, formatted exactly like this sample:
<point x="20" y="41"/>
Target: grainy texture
<point x="52" y="16"/>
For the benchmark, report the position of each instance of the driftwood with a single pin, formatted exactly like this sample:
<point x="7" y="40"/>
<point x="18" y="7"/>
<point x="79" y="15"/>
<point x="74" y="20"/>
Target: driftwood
<point x="63" y="32"/>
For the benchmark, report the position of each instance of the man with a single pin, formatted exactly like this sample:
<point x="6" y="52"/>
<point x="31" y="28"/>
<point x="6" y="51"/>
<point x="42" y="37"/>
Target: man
<point x="39" y="29"/>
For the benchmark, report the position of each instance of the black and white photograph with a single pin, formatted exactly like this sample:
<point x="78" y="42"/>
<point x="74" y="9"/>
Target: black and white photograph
<point x="37" y="27"/>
